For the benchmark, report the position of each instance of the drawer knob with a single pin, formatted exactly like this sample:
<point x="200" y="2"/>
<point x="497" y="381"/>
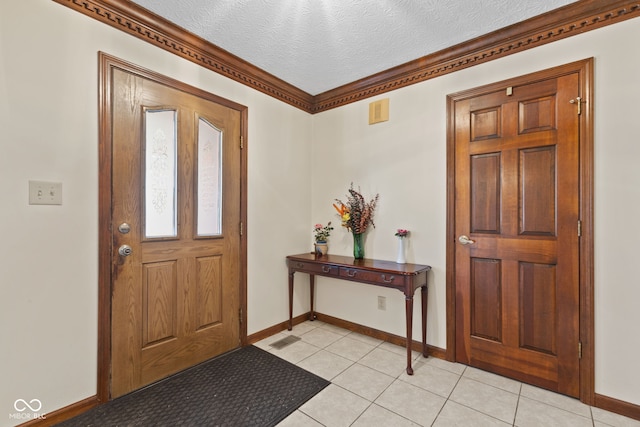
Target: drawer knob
<point x="389" y="280"/>
<point x="299" y="265"/>
<point x="352" y="273"/>
<point x="326" y="268"/>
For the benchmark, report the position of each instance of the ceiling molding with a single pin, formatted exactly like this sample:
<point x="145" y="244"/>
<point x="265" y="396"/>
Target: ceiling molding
<point x="570" y="20"/>
<point x="564" y="22"/>
<point x="139" y="22"/>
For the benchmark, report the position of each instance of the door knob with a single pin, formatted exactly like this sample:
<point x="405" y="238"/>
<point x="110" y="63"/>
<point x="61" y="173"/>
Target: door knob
<point x="465" y="240"/>
<point x="125" y="250"/>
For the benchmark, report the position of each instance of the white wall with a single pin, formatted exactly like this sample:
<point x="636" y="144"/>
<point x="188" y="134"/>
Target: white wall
<point x="404" y="160"/>
<point x="49" y="131"/>
<point x="49" y="254"/>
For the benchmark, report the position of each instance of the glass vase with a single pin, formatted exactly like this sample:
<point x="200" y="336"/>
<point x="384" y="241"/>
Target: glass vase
<point x="358" y="245"/>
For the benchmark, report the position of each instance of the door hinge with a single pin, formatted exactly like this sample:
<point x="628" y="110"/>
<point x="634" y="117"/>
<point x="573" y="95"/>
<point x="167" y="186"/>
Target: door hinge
<point x="240" y="313"/>
<point x="578" y="101"/>
<point x="579" y="349"/>
<point x="579" y="228"/>
<point x="241" y="228"/>
<point x="241" y="142"/>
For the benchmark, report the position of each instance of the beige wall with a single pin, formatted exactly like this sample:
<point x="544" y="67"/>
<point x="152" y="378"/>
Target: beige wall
<point x="49" y="131"/>
<point x="297" y="165"/>
<point x="404" y="160"/>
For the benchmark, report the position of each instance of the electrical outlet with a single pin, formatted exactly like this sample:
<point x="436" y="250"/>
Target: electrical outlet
<point x="382" y="303"/>
<point x="45" y="193"/>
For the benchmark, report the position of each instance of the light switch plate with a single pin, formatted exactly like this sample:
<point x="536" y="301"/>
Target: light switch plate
<point x="45" y="193"/>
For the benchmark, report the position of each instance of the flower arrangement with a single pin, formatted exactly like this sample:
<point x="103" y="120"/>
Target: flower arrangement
<point x="321" y="234"/>
<point x="356" y="214"/>
<point x="401" y="233"/>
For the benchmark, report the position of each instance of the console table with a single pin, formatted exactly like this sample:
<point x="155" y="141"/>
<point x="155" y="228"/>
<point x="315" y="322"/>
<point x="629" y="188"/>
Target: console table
<point x="403" y="277"/>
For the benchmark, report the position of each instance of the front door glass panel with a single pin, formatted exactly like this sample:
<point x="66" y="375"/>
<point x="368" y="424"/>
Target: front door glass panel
<point x="209" y="213"/>
<point x="160" y="186"/>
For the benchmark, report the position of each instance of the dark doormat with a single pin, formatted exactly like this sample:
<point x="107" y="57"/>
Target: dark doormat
<point x="246" y="387"/>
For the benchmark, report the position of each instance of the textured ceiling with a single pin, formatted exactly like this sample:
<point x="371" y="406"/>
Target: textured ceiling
<point x="318" y="45"/>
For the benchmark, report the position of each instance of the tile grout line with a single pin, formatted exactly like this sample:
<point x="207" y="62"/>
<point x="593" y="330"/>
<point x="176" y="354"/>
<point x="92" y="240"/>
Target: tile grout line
<point x="371" y="402"/>
<point x="449" y="395"/>
<point x="396" y="378"/>
<point x="515" y="413"/>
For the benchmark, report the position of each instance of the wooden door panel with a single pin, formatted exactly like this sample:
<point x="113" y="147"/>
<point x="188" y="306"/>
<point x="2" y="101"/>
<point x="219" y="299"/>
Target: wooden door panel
<point x="486" y="299"/>
<point x="536" y="368"/>
<point x="538" y="307"/>
<point x="543" y="251"/>
<point x="176" y="298"/>
<point x="522" y="141"/>
<point x="485" y="193"/>
<point x="209" y="291"/>
<point x="486" y="124"/>
<point x="535" y="115"/>
<point x="167" y="250"/>
<point x="159" y="302"/>
<point x="516" y="197"/>
<point x="537" y="198"/>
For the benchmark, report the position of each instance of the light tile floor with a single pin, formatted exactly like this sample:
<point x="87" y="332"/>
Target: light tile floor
<point x="369" y="387"/>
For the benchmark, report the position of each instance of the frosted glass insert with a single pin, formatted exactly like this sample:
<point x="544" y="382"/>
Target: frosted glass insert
<point x="160" y="173"/>
<point x="209" y="220"/>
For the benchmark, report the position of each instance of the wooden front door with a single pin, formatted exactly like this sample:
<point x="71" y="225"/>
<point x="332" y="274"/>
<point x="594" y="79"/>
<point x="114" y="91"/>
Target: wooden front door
<point x="175" y="229"/>
<point x="516" y="230"/>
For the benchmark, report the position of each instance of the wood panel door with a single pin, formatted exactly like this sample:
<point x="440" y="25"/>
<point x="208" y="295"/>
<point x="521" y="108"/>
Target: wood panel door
<point x="517" y="292"/>
<point x="175" y="229"/>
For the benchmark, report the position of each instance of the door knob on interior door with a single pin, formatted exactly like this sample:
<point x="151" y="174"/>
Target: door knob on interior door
<point x="125" y="250"/>
<point x="465" y="240"/>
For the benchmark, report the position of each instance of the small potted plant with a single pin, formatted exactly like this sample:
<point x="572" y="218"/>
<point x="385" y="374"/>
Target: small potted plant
<point x="321" y="234"/>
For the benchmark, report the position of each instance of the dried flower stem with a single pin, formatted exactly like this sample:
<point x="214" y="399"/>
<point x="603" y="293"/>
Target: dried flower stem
<point x="357" y="214"/>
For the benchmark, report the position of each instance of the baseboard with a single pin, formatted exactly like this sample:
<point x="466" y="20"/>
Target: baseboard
<point x="381" y="335"/>
<point x="63" y="414"/>
<point x="354" y="327"/>
<point x="618" y="406"/>
<point x="266" y="333"/>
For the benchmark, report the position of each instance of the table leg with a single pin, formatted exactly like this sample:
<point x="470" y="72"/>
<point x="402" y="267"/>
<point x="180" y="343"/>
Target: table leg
<point x="423" y="297"/>
<point x="291" y="300"/>
<point x="409" y="305"/>
<point x="312" y="282"/>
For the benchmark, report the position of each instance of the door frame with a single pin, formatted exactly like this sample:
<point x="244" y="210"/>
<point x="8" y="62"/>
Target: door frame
<point x="584" y="69"/>
<point x="106" y="65"/>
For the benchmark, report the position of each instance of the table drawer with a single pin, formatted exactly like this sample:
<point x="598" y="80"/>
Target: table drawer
<point x="384" y="279"/>
<point x="314" y="268"/>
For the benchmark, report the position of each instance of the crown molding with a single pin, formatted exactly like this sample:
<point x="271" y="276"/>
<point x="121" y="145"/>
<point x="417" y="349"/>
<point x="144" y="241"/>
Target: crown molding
<point x="558" y="24"/>
<point x="139" y="22"/>
<point x="567" y="21"/>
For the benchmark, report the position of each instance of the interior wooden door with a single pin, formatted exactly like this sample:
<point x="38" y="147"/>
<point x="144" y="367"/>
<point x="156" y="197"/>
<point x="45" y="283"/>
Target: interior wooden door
<point x="517" y="231"/>
<point x="175" y="227"/>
